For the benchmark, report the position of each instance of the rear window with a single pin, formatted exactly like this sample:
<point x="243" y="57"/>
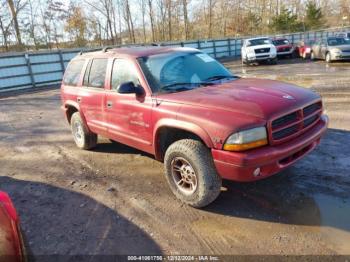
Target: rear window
<point x="97" y="73"/>
<point x="72" y="74"/>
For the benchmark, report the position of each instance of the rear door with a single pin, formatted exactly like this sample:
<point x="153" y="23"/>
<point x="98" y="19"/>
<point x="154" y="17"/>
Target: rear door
<point x="128" y="115"/>
<point x="93" y="95"/>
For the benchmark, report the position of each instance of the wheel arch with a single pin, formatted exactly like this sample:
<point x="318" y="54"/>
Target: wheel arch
<point x="167" y="131"/>
<point x="70" y="108"/>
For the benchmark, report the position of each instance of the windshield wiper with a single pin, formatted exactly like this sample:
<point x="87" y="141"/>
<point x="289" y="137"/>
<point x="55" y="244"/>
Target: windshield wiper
<point x="218" y="77"/>
<point x="184" y="86"/>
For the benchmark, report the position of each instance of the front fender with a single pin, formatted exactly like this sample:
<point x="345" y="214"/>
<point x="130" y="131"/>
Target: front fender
<point x="183" y="125"/>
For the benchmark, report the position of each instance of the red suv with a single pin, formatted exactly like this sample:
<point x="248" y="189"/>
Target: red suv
<point x="188" y="110"/>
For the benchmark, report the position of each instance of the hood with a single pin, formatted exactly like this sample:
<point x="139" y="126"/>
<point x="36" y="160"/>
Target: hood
<point x="284" y="46"/>
<point x="340" y="47"/>
<point x="261" y="46"/>
<point x="260" y="98"/>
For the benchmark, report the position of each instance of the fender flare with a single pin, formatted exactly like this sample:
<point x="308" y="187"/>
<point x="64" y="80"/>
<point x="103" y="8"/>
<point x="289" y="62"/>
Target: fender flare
<point x="183" y="125"/>
<point x="70" y="103"/>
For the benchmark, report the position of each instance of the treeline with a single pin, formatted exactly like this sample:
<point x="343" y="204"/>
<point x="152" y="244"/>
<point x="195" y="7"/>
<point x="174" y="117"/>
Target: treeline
<point x="39" y="24"/>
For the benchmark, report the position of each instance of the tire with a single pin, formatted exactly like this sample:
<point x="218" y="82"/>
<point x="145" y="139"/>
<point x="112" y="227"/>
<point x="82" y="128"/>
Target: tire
<point x="84" y="139"/>
<point x="328" y="58"/>
<point x="273" y="61"/>
<point x="312" y="56"/>
<point x="191" y="158"/>
<point x="244" y="62"/>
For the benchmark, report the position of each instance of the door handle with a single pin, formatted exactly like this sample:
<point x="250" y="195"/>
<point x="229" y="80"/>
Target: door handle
<point x="78" y="99"/>
<point x="109" y="104"/>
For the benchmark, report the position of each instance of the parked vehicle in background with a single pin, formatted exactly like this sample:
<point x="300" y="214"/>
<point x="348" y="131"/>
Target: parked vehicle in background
<point x="343" y="34"/>
<point x="11" y="242"/>
<point x="284" y="47"/>
<point x="193" y="114"/>
<point x="258" y="50"/>
<point x="331" y="49"/>
<point x="303" y="48"/>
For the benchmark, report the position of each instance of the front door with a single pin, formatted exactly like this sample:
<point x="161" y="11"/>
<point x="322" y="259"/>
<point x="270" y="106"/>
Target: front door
<point x="128" y="115"/>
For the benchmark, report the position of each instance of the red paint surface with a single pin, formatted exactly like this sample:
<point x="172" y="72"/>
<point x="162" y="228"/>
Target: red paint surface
<point x="213" y="113"/>
<point x="10" y="239"/>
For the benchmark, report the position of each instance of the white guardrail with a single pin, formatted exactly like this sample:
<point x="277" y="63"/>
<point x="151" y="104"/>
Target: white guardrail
<point x="46" y="68"/>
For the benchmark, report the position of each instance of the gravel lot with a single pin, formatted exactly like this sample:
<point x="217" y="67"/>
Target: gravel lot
<point x="115" y="200"/>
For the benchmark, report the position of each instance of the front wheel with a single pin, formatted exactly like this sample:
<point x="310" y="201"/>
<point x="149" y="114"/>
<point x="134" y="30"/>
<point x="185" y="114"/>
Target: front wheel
<point x="191" y="173"/>
<point x="312" y="56"/>
<point x="328" y="58"/>
<point x="84" y="139"/>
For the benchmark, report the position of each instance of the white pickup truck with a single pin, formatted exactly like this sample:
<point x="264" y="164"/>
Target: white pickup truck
<point x="257" y="50"/>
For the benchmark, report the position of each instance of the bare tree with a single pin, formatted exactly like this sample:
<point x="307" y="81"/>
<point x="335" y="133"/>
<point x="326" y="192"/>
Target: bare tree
<point x="184" y="6"/>
<point x="15" y="8"/>
<point x="151" y="13"/>
<point x="106" y="9"/>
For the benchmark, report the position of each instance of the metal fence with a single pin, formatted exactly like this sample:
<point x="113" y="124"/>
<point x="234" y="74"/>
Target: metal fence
<point x="46" y="68"/>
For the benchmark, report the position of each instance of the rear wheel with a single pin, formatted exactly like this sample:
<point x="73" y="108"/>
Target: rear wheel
<point x="191" y="173"/>
<point x="84" y="139"/>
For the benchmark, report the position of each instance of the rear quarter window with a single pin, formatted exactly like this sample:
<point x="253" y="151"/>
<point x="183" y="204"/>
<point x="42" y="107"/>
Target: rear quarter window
<point x="73" y="71"/>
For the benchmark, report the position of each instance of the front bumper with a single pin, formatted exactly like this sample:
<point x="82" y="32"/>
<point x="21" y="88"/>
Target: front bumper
<point x="265" y="57"/>
<point x="281" y="53"/>
<point x="240" y="166"/>
<point x="340" y="57"/>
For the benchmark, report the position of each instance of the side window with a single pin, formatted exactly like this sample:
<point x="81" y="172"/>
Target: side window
<point x="97" y="73"/>
<point x="72" y="74"/>
<point x="123" y="71"/>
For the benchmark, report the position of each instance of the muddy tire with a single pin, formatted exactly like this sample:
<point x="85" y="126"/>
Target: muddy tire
<point x="191" y="174"/>
<point x="84" y="139"/>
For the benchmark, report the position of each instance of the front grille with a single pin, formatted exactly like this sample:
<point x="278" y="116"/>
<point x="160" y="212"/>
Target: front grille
<point x="285" y="120"/>
<point x="295" y="122"/>
<point x="284" y="49"/>
<point x="261" y="50"/>
<point x="310" y="120"/>
<point x="285" y="132"/>
<point x="312" y="108"/>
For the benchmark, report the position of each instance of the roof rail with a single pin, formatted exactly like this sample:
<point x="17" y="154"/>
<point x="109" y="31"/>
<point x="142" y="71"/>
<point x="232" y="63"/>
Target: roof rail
<point x="106" y="48"/>
<point x="88" y="51"/>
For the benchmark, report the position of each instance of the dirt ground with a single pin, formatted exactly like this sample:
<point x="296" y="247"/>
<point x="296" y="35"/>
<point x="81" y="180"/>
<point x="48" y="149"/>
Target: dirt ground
<point x="115" y="200"/>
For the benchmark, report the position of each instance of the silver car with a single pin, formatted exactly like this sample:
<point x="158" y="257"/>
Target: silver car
<point x="332" y="49"/>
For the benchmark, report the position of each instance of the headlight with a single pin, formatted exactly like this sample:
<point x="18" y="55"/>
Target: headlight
<point x="246" y="139"/>
<point x="336" y="51"/>
<point x="250" y="51"/>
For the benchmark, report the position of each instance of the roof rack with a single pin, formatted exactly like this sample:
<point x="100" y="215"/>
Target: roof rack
<point x="88" y="51"/>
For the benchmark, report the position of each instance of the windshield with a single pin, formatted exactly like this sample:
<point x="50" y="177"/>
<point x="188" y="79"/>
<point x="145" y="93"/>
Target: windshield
<point x="181" y="71"/>
<point x="280" y="42"/>
<point x="338" y="41"/>
<point x="260" y="41"/>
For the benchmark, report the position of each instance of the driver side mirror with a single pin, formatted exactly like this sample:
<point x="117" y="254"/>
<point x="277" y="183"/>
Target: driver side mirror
<point x="130" y="88"/>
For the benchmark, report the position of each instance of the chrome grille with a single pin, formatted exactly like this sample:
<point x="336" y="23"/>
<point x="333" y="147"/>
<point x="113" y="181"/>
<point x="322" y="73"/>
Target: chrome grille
<point x="261" y="50"/>
<point x="294" y="123"/>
